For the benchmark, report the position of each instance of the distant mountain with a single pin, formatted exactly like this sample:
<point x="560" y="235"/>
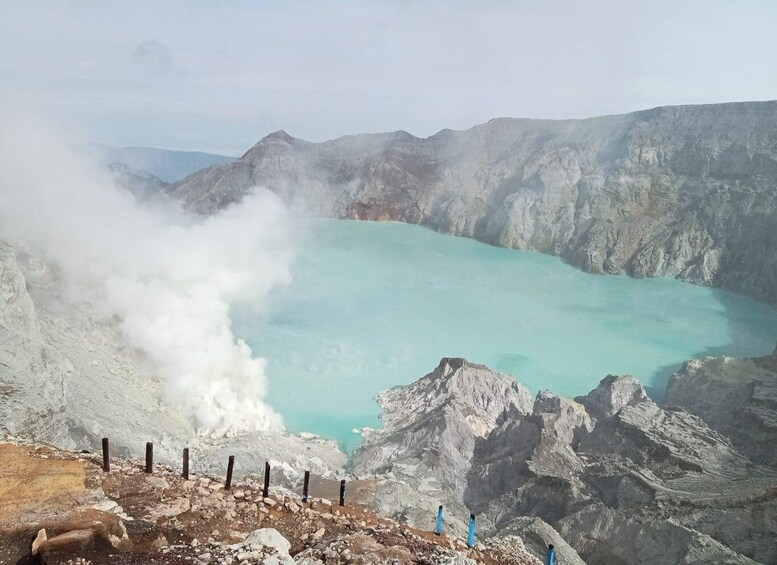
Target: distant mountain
<point x="681" y="191"/>
<point x="167" y="165"/>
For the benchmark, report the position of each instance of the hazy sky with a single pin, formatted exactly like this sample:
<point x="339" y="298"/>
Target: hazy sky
<point x="217" y="76"/>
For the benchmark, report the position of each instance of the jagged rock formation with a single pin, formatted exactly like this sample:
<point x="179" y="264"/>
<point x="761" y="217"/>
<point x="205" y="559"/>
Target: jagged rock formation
<point x="684" y="192"/>
<point x="630" y="482"/>
<point x="67" y="380"/>
<point x="737" y="397"/>
<point x="428" y="437"/>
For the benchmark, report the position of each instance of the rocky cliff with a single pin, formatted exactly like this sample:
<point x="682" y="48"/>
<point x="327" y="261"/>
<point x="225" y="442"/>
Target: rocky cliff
<point x="737" y="397"/>
<point x="614" y="475"/>
<point x="686" y="192"/>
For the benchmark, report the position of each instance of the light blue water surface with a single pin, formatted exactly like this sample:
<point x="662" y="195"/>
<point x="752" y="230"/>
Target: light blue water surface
<point x="374" y="305"/>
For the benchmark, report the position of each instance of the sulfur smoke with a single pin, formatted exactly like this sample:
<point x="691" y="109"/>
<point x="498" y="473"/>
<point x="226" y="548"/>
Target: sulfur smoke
<point x="167" y="277"/>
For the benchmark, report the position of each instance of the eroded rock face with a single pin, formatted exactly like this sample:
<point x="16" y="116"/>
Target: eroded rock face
<point x="537" y="535"/>
<point x="613" y="393"/>
<point x="637" y="483"/>
<point x="429" y="435"/>
<point x="436" y="420"/>
<point x="737" y="397"/>
<point x="684" y="192"/>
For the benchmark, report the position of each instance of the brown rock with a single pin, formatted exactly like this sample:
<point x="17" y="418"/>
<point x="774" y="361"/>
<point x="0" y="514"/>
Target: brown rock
<point x="39" y="539"/>
<point x="68" y="541"/>
<point x="32" y="488"/>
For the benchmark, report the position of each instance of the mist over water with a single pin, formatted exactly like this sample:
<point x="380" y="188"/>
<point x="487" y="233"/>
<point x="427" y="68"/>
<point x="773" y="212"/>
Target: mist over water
<point x="374" y="305"/>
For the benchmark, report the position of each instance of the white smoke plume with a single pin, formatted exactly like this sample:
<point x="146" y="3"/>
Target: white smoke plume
<point x="169" y="278"/>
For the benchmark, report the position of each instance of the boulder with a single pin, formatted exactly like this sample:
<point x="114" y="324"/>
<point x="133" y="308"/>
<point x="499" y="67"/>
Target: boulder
<point x="612" y="394"/>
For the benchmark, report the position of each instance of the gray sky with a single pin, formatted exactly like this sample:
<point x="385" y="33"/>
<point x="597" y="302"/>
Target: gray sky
<point x="217" y="76"/>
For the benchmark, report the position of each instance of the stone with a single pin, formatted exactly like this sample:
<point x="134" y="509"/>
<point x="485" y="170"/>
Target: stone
<point x="269" y="537"/>
<point x="68" y="541"/>
<point x="612" y="394"/>
<point x="39" y="539"/>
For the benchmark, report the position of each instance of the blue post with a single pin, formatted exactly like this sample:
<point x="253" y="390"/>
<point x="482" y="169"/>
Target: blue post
<point x="438" y="527"/>
<point x="471" y="534"/>
<point x="551" y="555"/>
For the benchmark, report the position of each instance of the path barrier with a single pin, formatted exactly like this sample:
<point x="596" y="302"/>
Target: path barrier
<point x="149" y="468"/>
<point x="149" y="457"/>
<point x="230" y="468"/>
<point x="305" y="486"/>
<point x="342" y="492"/>
<point x="106" y="455"/>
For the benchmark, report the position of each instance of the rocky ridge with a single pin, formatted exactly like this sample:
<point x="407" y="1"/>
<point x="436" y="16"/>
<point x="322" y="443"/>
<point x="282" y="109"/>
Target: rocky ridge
<point x="678" y="191"/>
<point x="620" y="478"/>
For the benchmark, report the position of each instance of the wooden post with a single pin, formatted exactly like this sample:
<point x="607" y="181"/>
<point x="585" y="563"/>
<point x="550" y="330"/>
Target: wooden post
<point x="342" y="492"/>
<point x="305" y="486"/>
<point x="266" y="490"/>
<point x="149" y="457"/>
<point x="186" y="463"/>
<point x="106" y="455"/>
<point x="230" y="467"/>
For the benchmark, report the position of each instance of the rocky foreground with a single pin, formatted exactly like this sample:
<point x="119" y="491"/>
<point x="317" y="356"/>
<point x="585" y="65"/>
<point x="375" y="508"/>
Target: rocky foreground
<point x="611" y="477"/>
<point x="680" y="191"/>
<point x="61" y="507"/>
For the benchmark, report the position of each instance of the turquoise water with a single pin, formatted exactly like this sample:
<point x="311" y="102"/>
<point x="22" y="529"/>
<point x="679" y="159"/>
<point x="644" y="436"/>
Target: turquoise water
<point x="375" y="305"/>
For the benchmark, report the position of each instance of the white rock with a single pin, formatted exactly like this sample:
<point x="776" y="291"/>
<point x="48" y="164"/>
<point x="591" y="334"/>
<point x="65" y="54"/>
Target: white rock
<point x="269" y="537"/>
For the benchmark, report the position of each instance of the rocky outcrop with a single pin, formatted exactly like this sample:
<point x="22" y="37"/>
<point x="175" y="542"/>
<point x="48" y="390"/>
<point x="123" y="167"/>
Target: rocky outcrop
<point x="683" y="192"/>
<point x="737" y="397"/>
<point x="430" y="429"/>
<point x="537" y="535"/>
<point x="630" y="482"/>
<point x="436" y="420"/>
<point x="613" y="393"/>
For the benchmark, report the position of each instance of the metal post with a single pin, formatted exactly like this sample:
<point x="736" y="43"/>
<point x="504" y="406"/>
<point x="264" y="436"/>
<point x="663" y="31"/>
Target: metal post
<point x="438" y="526"/>
<point x="342" y="492"/>
<point x="230" y="467"/>
<point x="106" y="455"/>
<point x="305" y="486"/>
<point x="266" y="491"/>
<point x="471" y="534"/>
<point x="186" y="463"/>
<point x="149" y="457"/>
<point x="551" y="559"/>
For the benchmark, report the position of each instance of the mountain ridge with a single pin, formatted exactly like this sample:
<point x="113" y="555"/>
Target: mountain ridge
<point x="679" y="191"/>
